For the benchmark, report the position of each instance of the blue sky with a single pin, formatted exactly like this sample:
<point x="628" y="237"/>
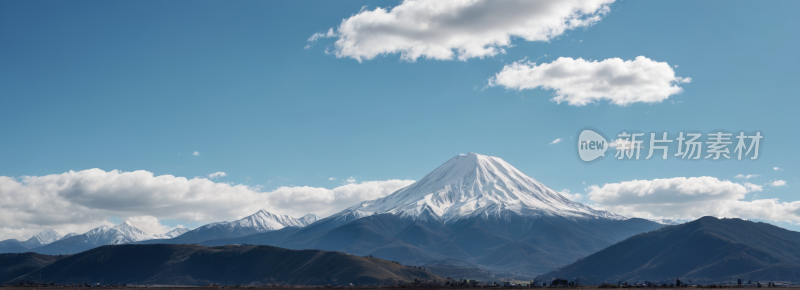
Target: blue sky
<point x="130" y="85"/>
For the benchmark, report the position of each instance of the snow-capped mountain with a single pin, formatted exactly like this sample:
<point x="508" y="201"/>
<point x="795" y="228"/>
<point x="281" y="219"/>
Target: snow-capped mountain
<point x="50" y="242"/>
<point x="473" y="184"/>
<point x="474" y="209"/>
<point x="123" y="233"/>
<point x="259" y="222"/>
<point x="69" y="235"/>
<point x="309" y="219"/>
<point x="263" y="221"/>
<point x="171" y="234"/>
<point x="42" y="238"/>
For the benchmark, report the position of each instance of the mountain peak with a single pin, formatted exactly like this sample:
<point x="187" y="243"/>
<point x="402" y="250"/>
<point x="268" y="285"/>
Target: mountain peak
<point x="263" y="220"/>
<point x="309" y="219"/>
<point x="172" y="234"/>
<point x="47" y="236"/>
<point x="42" y="238"/>
<point x="472" y="184"/>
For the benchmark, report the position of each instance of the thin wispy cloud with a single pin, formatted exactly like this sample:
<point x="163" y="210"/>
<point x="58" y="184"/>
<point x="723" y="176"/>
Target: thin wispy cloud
<point x="558" y="140"/>
<point x="196" y="153"/>
<point x="742" y="176"/>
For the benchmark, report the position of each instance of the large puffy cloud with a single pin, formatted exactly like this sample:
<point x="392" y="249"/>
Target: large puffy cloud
<point x="688" y="198"/>
<point x="579" y="82"/>
<point x="444" y="29"/>
<point x="78" y="201"/>
<point x="148" y="224"/>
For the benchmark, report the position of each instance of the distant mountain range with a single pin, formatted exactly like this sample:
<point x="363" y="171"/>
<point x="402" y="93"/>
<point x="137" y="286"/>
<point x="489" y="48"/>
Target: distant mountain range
<point x="472" y="211"/>
<point x="40" y="239"/>
<point x="259" y="222"/>
<point x="198" y="265"/>
<point x="50" y="242"/>
<point x="704" y="251"/>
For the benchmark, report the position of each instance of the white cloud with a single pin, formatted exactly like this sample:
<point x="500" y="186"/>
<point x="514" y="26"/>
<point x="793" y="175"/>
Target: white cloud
<point x="332" y="178"/>
<point x="777" y="168"/>
<point x="196" y="153"/>
<point x="79" y="201"/>
<point x="463" y="29"/>
<point x="690" y="198"/>
<point x="579" y="82"/>
<point x="319" y="35"/>
<point x="351" y="180"/>
<point x="148" y="224"/>
<point x="558" y="140"/>
<point x="571" y="196"/>
<point x="217" y="175"/>
<point x="753" y="187"/>
<point x="746" y="176"/>
<point x="778" y="183"/>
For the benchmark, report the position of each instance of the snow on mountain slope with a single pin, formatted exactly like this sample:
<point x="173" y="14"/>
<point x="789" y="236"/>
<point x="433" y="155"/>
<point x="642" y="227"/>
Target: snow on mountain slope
<point x="69" y="235"/>
<point x="98" y="234"/>
<point x="42" y="238"/>
<point x="259" y="222"/>
<point x="171" y="234"/>
<point x="123" y="233"/>
<point x="266" y="221"/>
<point x="309" y="219"/>
<point x="474" y="184"/>
<point x="670" y="222"/>
<point x="128" y="233"/>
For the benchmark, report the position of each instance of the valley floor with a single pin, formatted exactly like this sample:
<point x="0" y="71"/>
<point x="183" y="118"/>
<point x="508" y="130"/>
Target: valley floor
<point x="284" y="287"/>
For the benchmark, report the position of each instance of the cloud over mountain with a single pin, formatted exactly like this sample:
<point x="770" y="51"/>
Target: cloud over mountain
<point x="692" y="197"/>
<point x="447" y="29"/>
<point x="77" y="201"/>
<point x="580" y="82"/>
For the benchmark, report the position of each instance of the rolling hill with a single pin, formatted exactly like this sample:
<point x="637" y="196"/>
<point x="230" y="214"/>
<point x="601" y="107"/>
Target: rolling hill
<point x="13" y="266"/>
<point x="704" y="251"/>
<point x="226" y="265"/>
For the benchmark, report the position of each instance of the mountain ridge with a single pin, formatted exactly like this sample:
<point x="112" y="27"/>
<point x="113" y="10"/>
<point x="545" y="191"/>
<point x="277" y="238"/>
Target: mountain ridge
<point x="704" y="250"/>
<point x="125" y="233"/>
<point x="473" y="209"/>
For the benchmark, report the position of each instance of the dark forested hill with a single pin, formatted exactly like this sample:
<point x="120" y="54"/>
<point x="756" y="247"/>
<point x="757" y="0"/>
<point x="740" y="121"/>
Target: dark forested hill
<point x="705" y="250"/>
<point x="16" y="265"/>
<point x="225" y="265"/>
